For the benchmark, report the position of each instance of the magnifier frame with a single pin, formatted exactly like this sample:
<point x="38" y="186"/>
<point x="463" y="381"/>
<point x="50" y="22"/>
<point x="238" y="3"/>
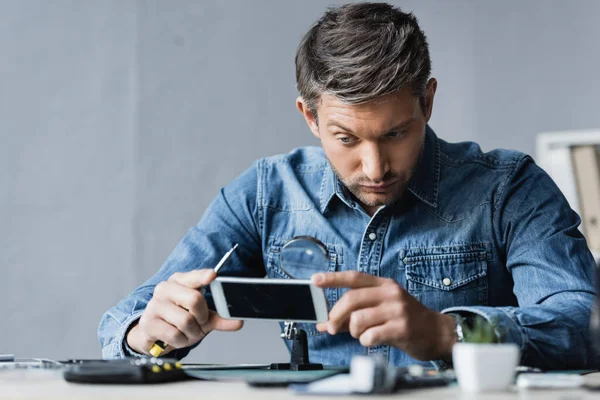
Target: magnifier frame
<point x="295" y="239"/>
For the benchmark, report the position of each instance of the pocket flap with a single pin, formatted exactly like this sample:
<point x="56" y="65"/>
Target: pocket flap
<point x="445" y="270"/>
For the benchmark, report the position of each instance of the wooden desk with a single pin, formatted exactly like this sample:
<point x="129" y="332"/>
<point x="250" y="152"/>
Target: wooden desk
<point x="50" y="385"/>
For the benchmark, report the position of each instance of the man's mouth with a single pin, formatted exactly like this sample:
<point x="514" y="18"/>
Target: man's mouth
<point x="378" y="188"/>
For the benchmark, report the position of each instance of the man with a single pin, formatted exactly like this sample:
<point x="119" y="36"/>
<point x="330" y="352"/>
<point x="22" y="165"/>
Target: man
<point x="423" y="234"/>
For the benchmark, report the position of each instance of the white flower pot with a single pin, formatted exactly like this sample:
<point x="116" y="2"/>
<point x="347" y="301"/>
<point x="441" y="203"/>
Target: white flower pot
<point x="485" y="367"/>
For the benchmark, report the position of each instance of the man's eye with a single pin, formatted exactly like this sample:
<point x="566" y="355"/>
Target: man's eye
<point x="394" y="134"/>
<point x="345" y="140"/>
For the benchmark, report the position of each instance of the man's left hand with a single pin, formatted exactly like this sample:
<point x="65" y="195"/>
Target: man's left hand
<point x="379" y="311"/>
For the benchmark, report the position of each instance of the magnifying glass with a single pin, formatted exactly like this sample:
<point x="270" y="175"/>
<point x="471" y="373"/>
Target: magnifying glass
<point x="303" y="256"/>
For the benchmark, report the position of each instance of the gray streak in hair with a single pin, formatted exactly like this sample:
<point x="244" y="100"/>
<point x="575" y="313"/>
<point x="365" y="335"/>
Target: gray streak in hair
<point x="358" y="52"/>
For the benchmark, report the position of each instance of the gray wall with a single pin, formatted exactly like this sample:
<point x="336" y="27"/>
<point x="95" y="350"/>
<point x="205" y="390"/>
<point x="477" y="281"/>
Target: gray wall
<point x="68" y="105"/>
<point x="120" y="120"/>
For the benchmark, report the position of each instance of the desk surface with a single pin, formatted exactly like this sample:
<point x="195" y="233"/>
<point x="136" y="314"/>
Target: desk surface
<point x="50" y="385"/>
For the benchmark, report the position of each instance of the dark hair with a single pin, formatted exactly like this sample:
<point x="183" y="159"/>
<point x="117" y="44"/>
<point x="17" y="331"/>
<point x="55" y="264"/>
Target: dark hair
<point x="361" y="51"/>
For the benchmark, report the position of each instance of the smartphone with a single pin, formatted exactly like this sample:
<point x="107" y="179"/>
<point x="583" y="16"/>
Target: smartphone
<point x="271" y="299"/>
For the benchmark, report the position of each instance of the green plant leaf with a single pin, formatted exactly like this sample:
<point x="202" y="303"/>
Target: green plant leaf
<point x="482" y="331"/>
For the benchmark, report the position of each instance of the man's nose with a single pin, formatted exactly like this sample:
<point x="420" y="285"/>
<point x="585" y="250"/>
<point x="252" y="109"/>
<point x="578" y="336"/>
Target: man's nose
<point x="375" y="164"/>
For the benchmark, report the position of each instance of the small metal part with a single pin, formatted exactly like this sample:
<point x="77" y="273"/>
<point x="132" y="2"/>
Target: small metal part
<point x="289" y="332"/>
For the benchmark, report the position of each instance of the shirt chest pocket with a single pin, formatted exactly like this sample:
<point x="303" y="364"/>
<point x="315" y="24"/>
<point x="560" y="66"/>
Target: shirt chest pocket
<point x="442" y="277"/>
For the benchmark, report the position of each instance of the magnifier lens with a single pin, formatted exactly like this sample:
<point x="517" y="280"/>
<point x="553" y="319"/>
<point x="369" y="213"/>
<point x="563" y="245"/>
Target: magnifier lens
<point x="304" y="256"/>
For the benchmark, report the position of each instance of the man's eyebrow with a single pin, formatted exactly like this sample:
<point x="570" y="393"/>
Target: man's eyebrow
<point x="339" y="125"/>
<point x="401" y="125"/>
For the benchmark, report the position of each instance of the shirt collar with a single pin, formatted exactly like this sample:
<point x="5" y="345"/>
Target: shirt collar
<point x="424" y="184"/>
<point x="426" y="180"/>
<point x="331" y="186"/>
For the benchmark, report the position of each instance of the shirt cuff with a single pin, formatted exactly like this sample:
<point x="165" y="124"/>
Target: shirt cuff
<point x="120" y="349"/>
<point x="506" y="326"/>
<point x="115" y="348"/>
<point x="121" y="338"/>
<point x="129" y="352"/>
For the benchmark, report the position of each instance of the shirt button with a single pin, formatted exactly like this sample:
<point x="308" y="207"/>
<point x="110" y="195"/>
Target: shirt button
<point x="447" y="281"/>
<point x="372" y="236"/>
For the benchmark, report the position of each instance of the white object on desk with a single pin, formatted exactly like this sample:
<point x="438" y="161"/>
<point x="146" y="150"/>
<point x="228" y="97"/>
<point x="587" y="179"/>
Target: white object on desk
<point x="367" y="375"/>
<point x="549" y="381"/>
<point x="485" y="367"/>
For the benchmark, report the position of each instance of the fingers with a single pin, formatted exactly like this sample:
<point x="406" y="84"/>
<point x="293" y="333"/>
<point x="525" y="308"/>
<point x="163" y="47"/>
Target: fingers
<point x="216" y="322"/>
<point x="347" y="279"/>
<point x="178" y="314"/>
<point x="380" y="334"/>
<point x="194" y="279"/>
<point x="362" y="320"/>
<point x="158" y="329"/>
<point x="182" y="320"/>
<point x="191" y="300"/>
<point x="351" y="301"/>
<point x="358" y="299"/>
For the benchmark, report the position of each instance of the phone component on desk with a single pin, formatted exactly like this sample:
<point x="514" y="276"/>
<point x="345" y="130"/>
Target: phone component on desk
<point x="372" y="374"/>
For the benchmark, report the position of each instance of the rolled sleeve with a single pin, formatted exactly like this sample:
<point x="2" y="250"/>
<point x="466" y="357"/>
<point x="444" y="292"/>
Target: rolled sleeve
<point x="553" y="273"/>
<point x="231" y="218"/>
<point x="502" y="318"/>
<point x="118" y="347"/>
<point x="547" y="337"/>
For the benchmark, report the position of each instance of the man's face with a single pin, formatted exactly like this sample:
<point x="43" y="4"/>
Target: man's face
<point x="373" y="147"/>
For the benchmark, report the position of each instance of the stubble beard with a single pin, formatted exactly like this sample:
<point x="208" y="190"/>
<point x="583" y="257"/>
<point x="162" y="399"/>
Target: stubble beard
<point x="354" y="187"/>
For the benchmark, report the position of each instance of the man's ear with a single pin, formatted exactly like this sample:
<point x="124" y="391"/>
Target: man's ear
<point x="309" y="117"/>
<point x="429" y="95"/>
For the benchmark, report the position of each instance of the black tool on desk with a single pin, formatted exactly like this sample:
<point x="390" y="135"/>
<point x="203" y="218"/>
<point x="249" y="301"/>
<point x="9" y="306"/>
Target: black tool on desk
<point x="130" y="370"/>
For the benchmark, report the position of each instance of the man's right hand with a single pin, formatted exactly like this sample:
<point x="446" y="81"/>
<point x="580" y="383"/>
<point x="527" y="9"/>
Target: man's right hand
<point x="178" y="314"/>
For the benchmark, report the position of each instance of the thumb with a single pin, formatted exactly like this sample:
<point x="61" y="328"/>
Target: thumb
<point x="194" y="279"/>
<point x="218" y="323"/>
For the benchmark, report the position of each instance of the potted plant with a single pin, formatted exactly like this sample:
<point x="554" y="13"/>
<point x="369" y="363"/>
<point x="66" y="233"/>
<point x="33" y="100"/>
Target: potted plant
<point x="481" y="361"/>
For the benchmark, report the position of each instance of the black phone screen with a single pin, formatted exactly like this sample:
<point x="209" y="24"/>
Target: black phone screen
<point x="269" y="301"/>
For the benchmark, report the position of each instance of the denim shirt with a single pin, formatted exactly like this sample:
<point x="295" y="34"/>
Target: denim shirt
<point x="483" y="233"/>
